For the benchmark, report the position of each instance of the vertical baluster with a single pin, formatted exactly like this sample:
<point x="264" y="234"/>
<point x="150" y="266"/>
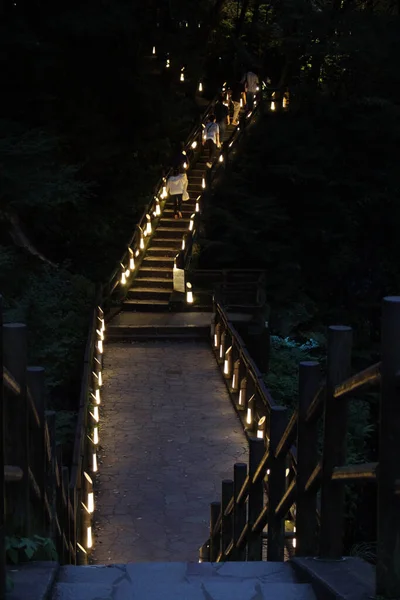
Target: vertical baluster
<point x="215" y="536"/>
<point x="15" y="359"/>
<point x="50" y="476"/>
<point x="2" y="463"/>
<point x="239" y="510"/>
<point x="307" y="458"/>
<point x="226" y="524"/>
<point x="36" y="382"/>
<point x="276" y="485"/>
<point x="388" y="556"/>
<point x="256" y="498"/>
<point x="334" y="444"/>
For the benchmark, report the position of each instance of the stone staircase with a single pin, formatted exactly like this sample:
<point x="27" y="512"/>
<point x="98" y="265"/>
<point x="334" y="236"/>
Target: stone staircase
<point x="153" y="285"/>
<point x="182" y="581"/>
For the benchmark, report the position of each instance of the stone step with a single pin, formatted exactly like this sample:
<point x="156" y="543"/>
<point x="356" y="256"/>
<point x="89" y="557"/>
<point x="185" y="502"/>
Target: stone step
<point x="171" y="232"/>
<point x="164" y="242"/>
<point x="144" y="305"/>
<point x="182" y="581"/>
<point x="163" y="251"/>
<point x="144" y="292"/>
<point x="157" y="261"/>
<point x="151" y="271"/>
<point x="163" y="282"/>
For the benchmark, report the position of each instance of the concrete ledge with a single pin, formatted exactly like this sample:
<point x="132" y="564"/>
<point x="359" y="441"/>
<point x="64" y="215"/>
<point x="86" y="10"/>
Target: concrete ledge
<point x="348" y="579"/>
<point x="32" y="581"/>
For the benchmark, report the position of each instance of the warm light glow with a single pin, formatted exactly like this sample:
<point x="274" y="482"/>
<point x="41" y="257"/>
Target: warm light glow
<point x="285" y="102"/>
<point x="100" y="346"/>
<point x="249" y="115"/>
<point x="132" y="263"/>
<point x="164" y="192"/>
<point x="287" y="472"/>
<point x="154" y="50"/>
<point x="241" y="103"/>
<point x="200" y="87"/>
<point x="90" y="500"/>
<point x="197" y="208"/>
<point x="123" y="278"/>
<point x="127" y="273"/>
<point x="203" y="183"/>
<point x="97" y="396"/>
<point x="260" y="430"/>
<point x="221" y="158"/>
<point x="100" y="380"/>
<point x="221" y="350"/>
<point x="215" y="340"/>
<point x="249" y="417"/>
<point x="137" y="253"/>
<point x="81" y="548"/>
<point x="148" y="225"/>
<point x="189" y="293"/>
<point x="141" y="245"/>
<point x="191" y="223"/>
<point x="94" y="463"/>
<point x="158" y="209"/>
<point x="268" y="471"/>
<point x="96" y="413"/>
<point x="234" y="381"/>
<point x="168" y="63"/>
<point x="241" y="397"/>
<point x="185" y="165"/>
<point x="258" y="88"/>
<point x="182" y="76"/>
<point x="89" y="539"/>
<point x="231" y="144"/>
<point x="194" y="145"/>
<point x="95" y="435"/>
<point x="100" y="334"/>
<point x="294" y="539"/>
<point x="272" y="105"/>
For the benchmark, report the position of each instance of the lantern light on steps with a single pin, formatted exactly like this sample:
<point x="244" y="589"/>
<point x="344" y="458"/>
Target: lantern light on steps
<point x="261" y="427"/>
<point x="94" y="463"/>
<point x="191" y="222"/>
<point x="158" y="208"/>
<point x="131" y="260"/>
<point x="89" y="538"/>
<point x="100" y="334"/>
<point x="200" y="86"/>
<point x="185" y="165"/>
<point x="203" y="183"/>
<point x="193" y="145"/>
<point x="100" y="346"/>
<point x="95" y="435"/>
<point x="272" y="105"/>
<point x="294" y="539"/>
<point x="154" y="51"/>
<point x="189" y="293"/>
<point x="148" y="225"/>
<point x="183" y="243"/>
<point x="221" y="158"/>
<point x="95" y="414"/>
<point x="197" y="209"/>
<point x="123" y="276"/>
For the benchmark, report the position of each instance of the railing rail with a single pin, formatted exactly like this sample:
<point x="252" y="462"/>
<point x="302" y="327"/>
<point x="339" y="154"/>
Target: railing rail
<point x="284" y="460"/>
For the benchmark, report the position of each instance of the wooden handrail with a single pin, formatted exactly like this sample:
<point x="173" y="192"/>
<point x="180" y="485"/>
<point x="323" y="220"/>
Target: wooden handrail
<point x="369" y="376"/>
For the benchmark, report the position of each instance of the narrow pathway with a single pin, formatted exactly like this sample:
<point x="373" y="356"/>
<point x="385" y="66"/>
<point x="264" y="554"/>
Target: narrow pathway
<point x="170" y="435"/>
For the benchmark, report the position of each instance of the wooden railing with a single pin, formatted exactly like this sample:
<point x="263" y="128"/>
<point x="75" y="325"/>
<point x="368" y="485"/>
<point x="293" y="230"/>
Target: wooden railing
<point x="36" y="494"/>
<point x="301" y="484"/>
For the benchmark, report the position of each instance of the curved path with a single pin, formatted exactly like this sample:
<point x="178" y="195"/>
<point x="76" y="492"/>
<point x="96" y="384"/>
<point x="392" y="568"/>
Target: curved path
<point x="169" y="436"/>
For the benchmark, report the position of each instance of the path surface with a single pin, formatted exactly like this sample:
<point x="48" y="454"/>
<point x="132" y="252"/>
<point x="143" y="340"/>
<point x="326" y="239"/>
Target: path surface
<point x="169" y="436"/>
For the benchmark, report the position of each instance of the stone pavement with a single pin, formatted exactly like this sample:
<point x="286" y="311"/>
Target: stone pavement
<point x="168" y="436"/>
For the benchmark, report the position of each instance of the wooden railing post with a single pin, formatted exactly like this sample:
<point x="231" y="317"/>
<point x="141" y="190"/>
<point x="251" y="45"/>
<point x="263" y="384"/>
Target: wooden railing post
<point x="388" y="555"/>
<point x="215" y="540"/>
<point x="276" y="485"/>
<point x="239" y="510"/>
<point x="2" y="463"/>
<point x="66" y="518"/>
<point x="50" y="486"/>
<point x="36" y="386"/>
<point x="15" y="359"/>
<point x="334" y="445"/>
<point x="59" y="514"/>
<point x="256" y="498"/>
<point x="226" y="523"/>
<point x="307" y="458"/>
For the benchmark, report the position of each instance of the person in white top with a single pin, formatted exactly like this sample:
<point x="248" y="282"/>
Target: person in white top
<point x="251" y="83"/>
<point x="211" y="135"/>
<point x="177" y="188"/>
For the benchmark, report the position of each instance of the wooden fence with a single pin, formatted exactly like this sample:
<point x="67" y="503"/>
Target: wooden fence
<point x="285" y="466"/>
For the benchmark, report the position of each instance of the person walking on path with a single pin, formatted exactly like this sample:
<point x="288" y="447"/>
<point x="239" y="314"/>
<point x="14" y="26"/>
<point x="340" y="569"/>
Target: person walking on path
<point x="212" y="142"/>
<point x="177" y="188"/>
<point x="251" y="83"/>
<point x="238" y="94"/>
<point x="221" y="111"/>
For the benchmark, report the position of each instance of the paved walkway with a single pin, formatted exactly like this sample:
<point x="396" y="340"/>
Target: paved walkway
<point x="169" y="435"/>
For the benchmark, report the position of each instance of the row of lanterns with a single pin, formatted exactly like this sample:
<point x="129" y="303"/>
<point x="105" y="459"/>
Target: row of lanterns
<point x="232" y="371"/>
<point x="87" y="501"/>
<point x="182" y="71"/>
